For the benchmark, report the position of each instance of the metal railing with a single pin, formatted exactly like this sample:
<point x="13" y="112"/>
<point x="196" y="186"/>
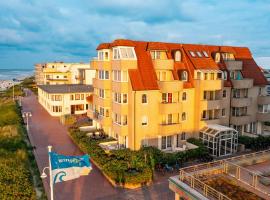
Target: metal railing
<point x="230" y="166"/>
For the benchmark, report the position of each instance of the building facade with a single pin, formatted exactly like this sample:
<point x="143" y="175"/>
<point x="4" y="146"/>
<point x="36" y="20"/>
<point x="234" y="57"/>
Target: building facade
<point x="61" y="100"/>
<point x="57" y="73"/>
<point x="267" y="76"/>
<point x="159" y="94"/>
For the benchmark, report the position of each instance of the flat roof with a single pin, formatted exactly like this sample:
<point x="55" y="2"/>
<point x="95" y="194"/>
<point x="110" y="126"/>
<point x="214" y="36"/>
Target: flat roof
<point x="66" y="88"/>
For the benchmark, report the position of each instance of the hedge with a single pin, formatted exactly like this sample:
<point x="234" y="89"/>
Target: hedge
<point x="122" y="166"/>
<point x="255" y="143"/>
<point x="134" y="167"/>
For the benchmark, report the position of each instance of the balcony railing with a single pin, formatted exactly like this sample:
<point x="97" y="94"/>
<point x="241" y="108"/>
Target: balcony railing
<point x="243" y="83"/>
<point x="241" y="120"/>
<point x="166" y="64"/>
<point x="233" y="65"/>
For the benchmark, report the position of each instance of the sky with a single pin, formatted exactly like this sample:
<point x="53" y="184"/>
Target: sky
<point x="34" y="31"/>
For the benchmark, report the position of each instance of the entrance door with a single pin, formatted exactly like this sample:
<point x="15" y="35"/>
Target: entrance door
<point x="72" y="109"/>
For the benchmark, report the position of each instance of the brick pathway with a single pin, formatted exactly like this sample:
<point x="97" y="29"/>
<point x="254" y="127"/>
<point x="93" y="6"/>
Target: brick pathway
<point x="46" y="130"/>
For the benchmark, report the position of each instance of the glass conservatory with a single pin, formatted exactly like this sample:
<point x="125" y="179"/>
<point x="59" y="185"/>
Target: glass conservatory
<point x="220" y="140"/>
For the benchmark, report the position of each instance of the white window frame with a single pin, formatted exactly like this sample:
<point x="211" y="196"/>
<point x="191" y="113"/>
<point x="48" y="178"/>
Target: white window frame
<point x="144" y="121"/>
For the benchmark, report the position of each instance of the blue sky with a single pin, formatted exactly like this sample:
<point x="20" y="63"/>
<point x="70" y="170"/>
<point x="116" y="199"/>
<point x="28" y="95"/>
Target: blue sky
<point x="33" y="31"/>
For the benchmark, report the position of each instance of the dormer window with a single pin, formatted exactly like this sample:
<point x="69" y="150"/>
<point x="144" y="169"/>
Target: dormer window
<point x="184" y="76"/>
<point x="155" y="55"/>
<point x="177" y="56"/>
<point x="199" y="54"/>
<point x="205" y="54"/>
<point x="126" y="53"/>
<point x="116" y="54"/>
<point x="217" y="57"/>
<point x="192" y="54"/>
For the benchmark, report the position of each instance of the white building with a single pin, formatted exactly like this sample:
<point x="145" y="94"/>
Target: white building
<point x="61" y="100"/>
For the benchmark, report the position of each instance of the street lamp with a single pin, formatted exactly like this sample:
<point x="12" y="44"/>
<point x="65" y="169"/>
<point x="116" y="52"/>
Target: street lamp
<point x="27" y="115"/>
<point x="44" y="175"/>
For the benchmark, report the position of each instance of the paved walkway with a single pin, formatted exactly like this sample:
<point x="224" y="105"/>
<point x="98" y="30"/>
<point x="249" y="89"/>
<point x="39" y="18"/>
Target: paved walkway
<point x="46" y="130"/>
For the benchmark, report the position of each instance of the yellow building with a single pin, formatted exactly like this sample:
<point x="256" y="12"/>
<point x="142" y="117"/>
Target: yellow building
<point x="57" y="73"/>
<point x="61" y="100"/>
<point x="160" y="94"/>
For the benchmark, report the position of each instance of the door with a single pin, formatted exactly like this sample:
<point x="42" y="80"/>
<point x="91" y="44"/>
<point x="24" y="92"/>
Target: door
<point x="72" y="109"/>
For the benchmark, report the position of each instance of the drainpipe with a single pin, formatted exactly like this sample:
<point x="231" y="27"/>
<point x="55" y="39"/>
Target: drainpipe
<point x="134" y="119"/>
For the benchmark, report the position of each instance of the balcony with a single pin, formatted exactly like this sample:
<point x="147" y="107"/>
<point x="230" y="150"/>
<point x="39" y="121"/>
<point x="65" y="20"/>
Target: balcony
<point x="263" y="100"/>
<point x="240" y="120"/>
<point x="120" y="129"/>
<point x="120" y="108"/>
<point x="211" y="104"/>
<point x="168" y="129"/>
<point x="241" y="102"/>
<point x="100" y="65"/>
<point x="124" y="64"/>
<point x="211" y="121"/>
<point x="210" y="84"/>
<point x="241" y="84"/>
<point x="170" y="86"/>
<point x="99" y="118"/>
<point x="168" y="108"/>
<point x="165" y="64"/>
<point x="104" y="84"/>
<point x="121" y="87"/>
<point x="101" y="102"/>
<point x="234" y="65"/>
<point x="263" y="117"/>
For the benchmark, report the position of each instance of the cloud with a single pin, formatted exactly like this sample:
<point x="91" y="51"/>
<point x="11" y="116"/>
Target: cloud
<point x="48" y="30"/>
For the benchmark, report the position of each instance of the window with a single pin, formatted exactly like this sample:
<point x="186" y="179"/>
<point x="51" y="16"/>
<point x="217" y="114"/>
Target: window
<point x="217" y="57"/>
<point x="204" y="95"/>
<point x="170" y="119"/>
<point x="144" y="98"/>
<point x="219" y="75"/>
<point x="116" y="54"/>
<point x="155" y="54"/>
<point x="224" y="93"/>
<point x="205" y="54"/>
<point x="58" y="98"/>
<point x="192" y="54"/>
<point x="167" y="98"/>
<point x="77" y="96"/>
<point x="205" y="76"/>
<point x="184" y="116"/>
<point x="177" y="56"/>
<point x="144" y="121"/>
<point x="120" y="76"/>
<point x="82" y="96"/>
<point x="124" y="98"/>
<point x="57" y="108"/>
<point x="204" y="115"/>
<point x="199" y="54"/>
<point x="212" y="76"/>
<point x="184" y="96"/>
<point x="223" y="112"/>
<point x="199" y="74"/>
<point x="184" y="76"/>
<point x="127" y="53"/>
<point x="225" y="75"/>
<point x="166" y="142"/>
<point x="183" y="136"/>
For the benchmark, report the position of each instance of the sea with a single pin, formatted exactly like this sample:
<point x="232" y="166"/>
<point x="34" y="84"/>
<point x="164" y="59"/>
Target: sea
<point x="10" y="74"/>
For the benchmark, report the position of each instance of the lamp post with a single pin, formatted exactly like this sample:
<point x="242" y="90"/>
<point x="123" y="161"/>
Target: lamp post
<point x="27" y="115"/>
<point x="13" y="91"/>
<point x="44" y="175"/>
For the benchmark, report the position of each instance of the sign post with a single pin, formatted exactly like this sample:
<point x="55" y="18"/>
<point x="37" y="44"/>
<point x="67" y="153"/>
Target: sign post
<point x="50" y="168"/>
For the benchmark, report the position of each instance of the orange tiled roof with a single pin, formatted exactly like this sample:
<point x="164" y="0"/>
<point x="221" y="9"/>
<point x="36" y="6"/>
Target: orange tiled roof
<point x="144" y="77"/>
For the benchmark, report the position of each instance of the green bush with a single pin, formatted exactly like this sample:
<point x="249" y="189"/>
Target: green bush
<point x="255" y="143"/>
<point x="122" y="166"/>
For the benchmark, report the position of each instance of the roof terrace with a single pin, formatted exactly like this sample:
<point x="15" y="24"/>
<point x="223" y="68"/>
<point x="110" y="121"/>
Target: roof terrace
<point x="242" y="177"/>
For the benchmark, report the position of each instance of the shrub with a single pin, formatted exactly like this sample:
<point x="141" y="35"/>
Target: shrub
<point x="255" y="143"/>
<point x="122" y="166"/>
